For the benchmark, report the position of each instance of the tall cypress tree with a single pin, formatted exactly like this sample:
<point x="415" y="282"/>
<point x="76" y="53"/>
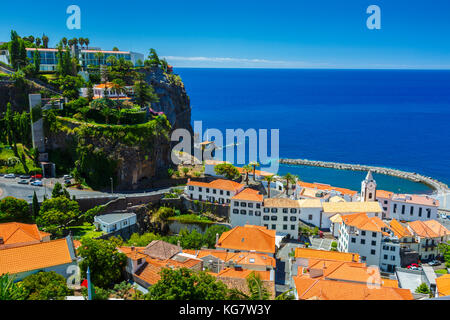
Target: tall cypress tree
<point x="35" y="206"/>
<point x="37" y="61"/>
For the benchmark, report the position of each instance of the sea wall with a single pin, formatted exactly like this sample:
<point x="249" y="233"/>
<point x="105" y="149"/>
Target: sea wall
<point x="412" y="176"/>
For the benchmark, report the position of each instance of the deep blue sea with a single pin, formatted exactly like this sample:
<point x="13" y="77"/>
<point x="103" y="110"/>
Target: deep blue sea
<point x="392" y="118"/>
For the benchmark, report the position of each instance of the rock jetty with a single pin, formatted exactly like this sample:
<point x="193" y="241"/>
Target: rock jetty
<point x="434" y="184"/>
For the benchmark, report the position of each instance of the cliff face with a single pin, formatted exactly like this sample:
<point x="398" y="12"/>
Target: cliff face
<point x="173" y="99"/>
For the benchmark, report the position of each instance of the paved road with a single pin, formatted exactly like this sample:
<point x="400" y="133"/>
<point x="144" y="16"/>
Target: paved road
<point x="10" y="187"/>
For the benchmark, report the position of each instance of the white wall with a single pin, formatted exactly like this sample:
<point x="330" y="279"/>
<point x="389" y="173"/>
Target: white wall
<point x="420" y="212"/>
<point x="245" y="212"/>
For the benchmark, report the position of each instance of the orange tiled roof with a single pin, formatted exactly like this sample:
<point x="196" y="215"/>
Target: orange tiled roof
<point x="399" y="230"/>
<point x="326" y="187"/>
<point x="14" y="233"/>
<point x="221" y="184"/>
<point x="428" y="229"/>
<point x="326" y="255"/>
<point x="249" y="194"/>
<point x="384" y="194"/>
<point x="248" y="238"/>
<point x="363" y="222"/>
<point x="443" y="285"/>
<point x="390" y="283"/>
<point x="242" y="273"/>
<point x="242" y="258"/>
<point x="34" y="256"/>
<point x="133" y="253"/>
<point x="339" y="290"/>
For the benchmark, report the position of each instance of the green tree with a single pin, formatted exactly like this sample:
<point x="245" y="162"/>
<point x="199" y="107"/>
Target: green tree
<point x="9" y="290"/>
<point x="290" y="178"/>
<point x="227" y="170"/>
<point x="256" y="288"/>
<point x="144" y="93"/>
<point x="59" y="191"/>
<point x="247" y="169"/>
<point x="254" y="164"/>
<point x="35" y="206"/>
<point x="46" y="286"/>
<point x="37" y="61"/>
<point x="14" y="210"/>
<point x="104" y="261"/>
<point x="269" y="180"/>
<point x="423" y="288"/>
<point x="56" y="214"/>
<point x="185" y="284"/>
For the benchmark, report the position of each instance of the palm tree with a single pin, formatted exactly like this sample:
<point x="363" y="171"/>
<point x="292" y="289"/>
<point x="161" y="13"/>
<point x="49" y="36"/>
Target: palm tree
<point x="75" y="41"/>
<point x="38" y="42"/>
<point x="254" y="164"/>
<point x="64" y="41"/>
<point x="81" y="42"/>
<point x="45" y="40"/>
<point x="86" y="42"/>
<point x="269" y="180"/>
<point x="247" y="169"/>
<point x="256" y="288"/>
<point x="111" y="60"/>
<point x="99" y="56"/>
<point x="10" y="290"/>
<point x="290" y="178"/>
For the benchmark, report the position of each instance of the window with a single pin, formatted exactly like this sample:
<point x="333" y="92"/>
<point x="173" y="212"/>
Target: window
<point x="395" y="208"/>
<point x="363" y="241"/>
<point x="266" y="218"/>
<point x="243" y="212"/>
<point x="411" y="211"/>
<point x="258" y="213"/>
<point x="428" y="213"/>
<point x="214" y="191"/>
<point x="200" y="189"/>
<point x="292" y="226"/>
<point x="293" y="210"/>
<point x="374" y="234"/>
<point x="273" y="218"/>
<point x="392" y="248"/>
<point x="250" y="212"/>
<point x="266" y="210"/>
<point x="250" y="205"/>
<point x="310" y="217"/>
<point x="274" y="210"/>
<point x="385" y="201"/>
<point x="385" y="257"/>
<point x="293" y="219"/>
<point x="243" y="204"/>
<point x="221" y="192"/>
<point x="235" y="211"/>
<point x="139" y="261"/>
<point x="374" y="243"/>
<point x="285" y="210"/>
<point x="420" y="211"/>
<point x="285" y="218"/>
<point x="393" y="258"/>
<point x="236" y="203"/>
<point x="191" y="188"/>
<point x="363" y="233"/>
<point x="258" y="205"/>
<point x="372" y="252"/>
<point x="353" y="240"/>
<point x="274" y="227"/>
<point x="207" y="190"/>
<point x="385" y="208"/>
<point x="228" y="193"/>
<point x="403" y="209"/>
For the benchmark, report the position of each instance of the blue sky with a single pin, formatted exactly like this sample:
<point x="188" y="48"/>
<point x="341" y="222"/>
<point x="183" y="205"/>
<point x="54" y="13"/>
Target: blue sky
<point x="249" y="33"/>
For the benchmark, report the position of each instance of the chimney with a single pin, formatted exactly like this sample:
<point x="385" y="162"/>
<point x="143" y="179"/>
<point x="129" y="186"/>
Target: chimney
<point x="179" y="243"/>
<point x="132" y="248"/>
<point x="217" y="238"/>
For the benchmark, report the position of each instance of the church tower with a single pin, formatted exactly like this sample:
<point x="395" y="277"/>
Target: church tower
<point x="368" y="188"/>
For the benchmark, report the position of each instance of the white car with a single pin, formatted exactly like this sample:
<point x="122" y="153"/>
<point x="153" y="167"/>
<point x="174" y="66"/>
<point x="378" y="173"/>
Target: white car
<point x="10" y="176"/>
<point x="37" y="183"/>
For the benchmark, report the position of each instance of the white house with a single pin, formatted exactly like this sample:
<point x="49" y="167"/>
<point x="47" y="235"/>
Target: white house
<point x="115" y="221"/>
<point x="330" y="209"/>
<point x="246" y="208"/>
<point x="281" y="215"/>
<point x="410" y="207"/>
<point x="305" y="190"/>
<point x="219" y="190"/>
<point x="370" y="238"/>
<point x="428" y="234"/>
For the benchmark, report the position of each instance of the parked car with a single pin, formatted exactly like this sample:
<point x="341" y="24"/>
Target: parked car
<point x="67" y="181"/>
<point x="37" y="176"/>
<point x="434" y="263"/>
<point x="67" y="177"/>
<point x="37" y="183"/>
<point x="23" y="181"/>
<point x="10" y="176"/>
<point x="25" y="176"/>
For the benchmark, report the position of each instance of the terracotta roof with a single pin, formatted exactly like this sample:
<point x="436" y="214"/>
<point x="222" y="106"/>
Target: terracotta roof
<point x="242" y="273"/>
<point x="237" y="280"/>
<point x="281" y="203"/>
<point x="241" y="258"/>
<point x="34" y="256"/>
<point x="389" y="283"/>
<point x="351" y="207"/>
<point x="133" y="253"/>
<point x="363" y="222"/>
<point x="14" y="233"/>
<point x="248" y="238"/>
<point x="326" y="187"/>
<point x="249" y="194"/>
<point x="400" y="231"/>
<point x="384" y="194"/>
<point x="428" y="229"/>
<point x="443" y="285"/>
<point x="161" y="250"/>
<point x="221" y="184"/>
<point x="339" y="290"/>
<point x="416" y="199"/>
<point x="326" y="255"/>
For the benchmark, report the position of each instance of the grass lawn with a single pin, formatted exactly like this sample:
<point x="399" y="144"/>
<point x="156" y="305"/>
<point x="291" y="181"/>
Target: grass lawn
<point x="86" y="230"/>
<point x="441" y="271"/>
<point x="51" y="76"/>
<point x="191" y="218"/>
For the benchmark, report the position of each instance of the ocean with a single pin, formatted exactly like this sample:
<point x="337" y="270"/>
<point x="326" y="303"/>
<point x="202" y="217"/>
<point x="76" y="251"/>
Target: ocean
<point x="390" y="118"/>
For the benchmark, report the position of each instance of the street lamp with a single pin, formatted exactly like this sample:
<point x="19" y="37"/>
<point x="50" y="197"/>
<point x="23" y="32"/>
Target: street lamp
<point x="112" y="191"/>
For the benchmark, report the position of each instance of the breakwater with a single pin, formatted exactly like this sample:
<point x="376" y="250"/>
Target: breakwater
<point x="436" y="185"/>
